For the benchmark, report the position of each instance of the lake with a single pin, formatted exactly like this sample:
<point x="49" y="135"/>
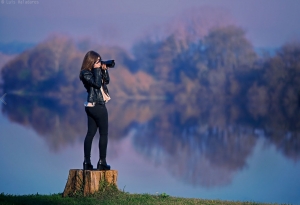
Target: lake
<point x="195" y="150"/>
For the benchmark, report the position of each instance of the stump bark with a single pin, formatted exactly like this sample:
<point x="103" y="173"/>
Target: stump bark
<point x="88" y="181"/>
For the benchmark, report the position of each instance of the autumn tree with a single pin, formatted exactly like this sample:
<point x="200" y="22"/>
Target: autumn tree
<point x="228" y="48"/>
<point x="283" y="74"/>
<point x="48" y="67"/>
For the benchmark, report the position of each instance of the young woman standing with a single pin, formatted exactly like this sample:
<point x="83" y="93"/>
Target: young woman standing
<point x="94" y="75"/>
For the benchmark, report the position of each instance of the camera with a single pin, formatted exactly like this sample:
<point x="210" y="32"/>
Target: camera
<point x="109" y="63"/>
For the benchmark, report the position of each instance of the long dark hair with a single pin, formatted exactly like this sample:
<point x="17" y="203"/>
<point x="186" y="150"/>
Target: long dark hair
<point x="89" y="60"/>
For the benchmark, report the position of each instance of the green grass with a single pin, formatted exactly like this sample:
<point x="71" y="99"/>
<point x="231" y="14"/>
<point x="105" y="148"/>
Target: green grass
<point x="109" y="198"/>
<point x="108" y="194"/>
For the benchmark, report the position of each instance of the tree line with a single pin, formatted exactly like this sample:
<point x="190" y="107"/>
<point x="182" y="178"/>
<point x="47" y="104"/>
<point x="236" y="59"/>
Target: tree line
<point x="221" y="66"/>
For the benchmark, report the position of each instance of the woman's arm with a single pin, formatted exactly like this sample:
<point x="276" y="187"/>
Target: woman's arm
<point x="105" y="76"/>
<point x="93" y="78"/>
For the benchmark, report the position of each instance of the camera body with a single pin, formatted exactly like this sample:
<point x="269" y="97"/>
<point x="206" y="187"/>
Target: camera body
<point x="109" y="63"/>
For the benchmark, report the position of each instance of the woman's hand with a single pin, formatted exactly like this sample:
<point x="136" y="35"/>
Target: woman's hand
<point x="97" y="65"/>
<point x="103" y="66"/>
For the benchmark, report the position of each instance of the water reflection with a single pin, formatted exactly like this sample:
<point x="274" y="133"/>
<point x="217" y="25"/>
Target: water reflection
<point x="200" y="154"/>
<point x="59" y="124"/>
<point x="202" y="144"/>
<point x="196" y="150"/>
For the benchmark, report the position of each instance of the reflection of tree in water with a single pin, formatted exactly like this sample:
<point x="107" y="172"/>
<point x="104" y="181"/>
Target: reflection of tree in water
<point x="59" y="124"/>
<point x="202" y="144"/>
<point x="286" y="142"/>
<point x="62" y="122"/>
<point x="280" y="125"/>
<point x="124" y="114"/>
<point x="207" y="145"/>
<point x="196" y="150"/>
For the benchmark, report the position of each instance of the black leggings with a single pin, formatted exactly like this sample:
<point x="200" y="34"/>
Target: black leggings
<point x="97" y="118"/>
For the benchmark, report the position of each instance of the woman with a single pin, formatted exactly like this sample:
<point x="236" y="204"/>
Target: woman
<point x="94" y="75"/>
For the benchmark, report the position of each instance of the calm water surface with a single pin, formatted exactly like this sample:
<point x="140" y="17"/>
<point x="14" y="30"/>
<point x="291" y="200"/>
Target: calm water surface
<point x="198" y="150"/>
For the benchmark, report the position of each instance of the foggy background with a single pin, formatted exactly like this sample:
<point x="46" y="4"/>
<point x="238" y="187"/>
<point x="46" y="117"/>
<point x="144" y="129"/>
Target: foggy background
<point x="268" y="23"/>
<point x="201" y="83"/>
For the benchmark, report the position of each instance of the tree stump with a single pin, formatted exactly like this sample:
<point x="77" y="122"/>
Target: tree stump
<point x="87" y="181"/>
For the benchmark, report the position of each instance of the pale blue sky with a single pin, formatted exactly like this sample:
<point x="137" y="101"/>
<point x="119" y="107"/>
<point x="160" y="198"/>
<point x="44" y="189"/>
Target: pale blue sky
<point x="268" y="23"/>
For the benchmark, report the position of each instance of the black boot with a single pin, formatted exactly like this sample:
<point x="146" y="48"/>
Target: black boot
<point x="102" y="165"/>
<point x="87" y="165"/>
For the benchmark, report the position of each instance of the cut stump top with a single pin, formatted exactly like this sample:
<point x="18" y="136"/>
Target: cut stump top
<point x="88" y="180"/>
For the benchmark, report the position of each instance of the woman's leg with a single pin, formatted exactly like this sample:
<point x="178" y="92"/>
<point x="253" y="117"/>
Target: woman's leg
<point x="100" y="116"/>
<point x="92" y="129"/>
<point x="103" y="132"/>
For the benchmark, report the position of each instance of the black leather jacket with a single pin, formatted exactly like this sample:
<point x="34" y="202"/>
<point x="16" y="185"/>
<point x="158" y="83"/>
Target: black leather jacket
<point x="92" y="81"/>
